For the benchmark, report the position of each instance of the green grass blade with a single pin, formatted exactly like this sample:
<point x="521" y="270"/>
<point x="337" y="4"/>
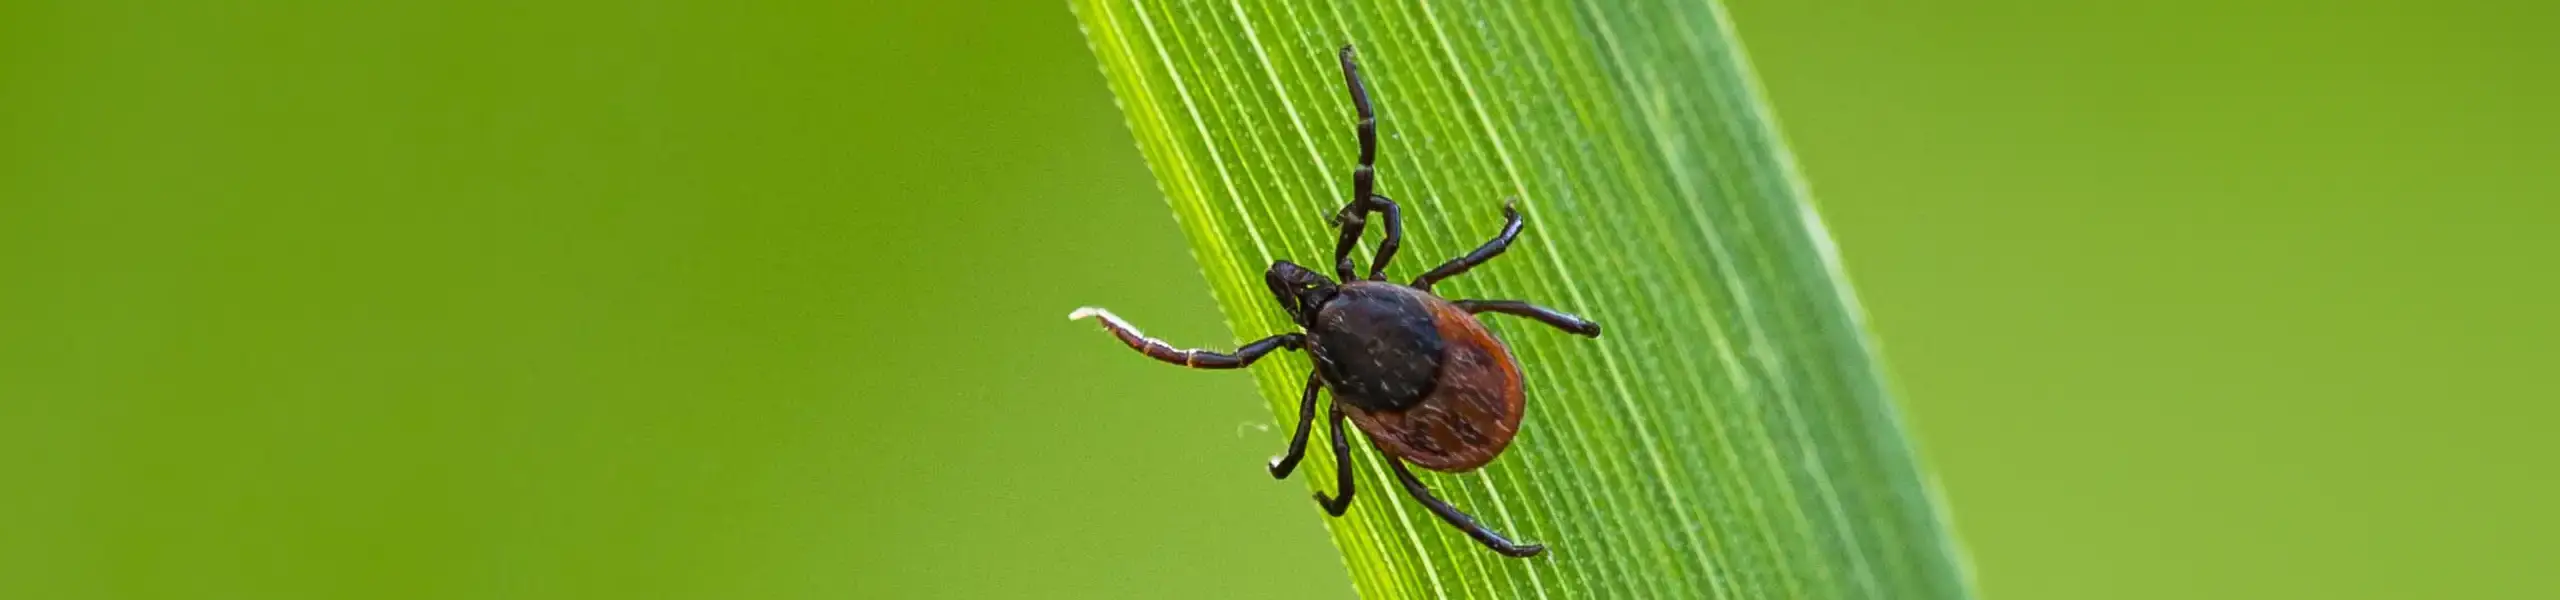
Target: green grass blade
<point x="1729" y="437"/>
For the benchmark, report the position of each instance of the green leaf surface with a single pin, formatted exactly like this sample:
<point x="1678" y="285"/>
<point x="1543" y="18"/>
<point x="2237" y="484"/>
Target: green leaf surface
<point x="1730" y="436"/>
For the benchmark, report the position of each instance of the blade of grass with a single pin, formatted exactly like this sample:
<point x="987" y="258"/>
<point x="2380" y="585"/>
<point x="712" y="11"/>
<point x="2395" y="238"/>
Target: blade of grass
<point x="1730" y="437"/>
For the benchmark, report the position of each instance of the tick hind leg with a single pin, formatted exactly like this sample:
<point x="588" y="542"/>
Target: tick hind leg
<point x="1486" y="252"/>
<point x="1558" y="319"/>
<point x="1457" y="519"/>
<point x="1364" y="198"/>
<point x="1197" y="359"/>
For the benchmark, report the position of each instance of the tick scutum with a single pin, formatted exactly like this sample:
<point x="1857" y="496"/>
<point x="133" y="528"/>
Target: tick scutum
<point x="1377" y="346"/>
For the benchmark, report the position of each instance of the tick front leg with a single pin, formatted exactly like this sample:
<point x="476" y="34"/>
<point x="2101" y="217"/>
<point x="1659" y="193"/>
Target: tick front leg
<point x="1394" y="236"/>
<point x="1340" y="502"/>
<point x="1197" y="359"/>
<point x="1457" y="519"/>
<point x="1363" y="177"/>
<point x="1549" y="316"/>
<point x="1280" y="467"/>
<point x="1364" y="184"/>
<point x="1353" y="218"/>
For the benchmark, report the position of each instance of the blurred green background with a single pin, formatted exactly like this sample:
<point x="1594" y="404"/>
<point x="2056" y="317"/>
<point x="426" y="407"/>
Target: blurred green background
<point x="683" y="299"/>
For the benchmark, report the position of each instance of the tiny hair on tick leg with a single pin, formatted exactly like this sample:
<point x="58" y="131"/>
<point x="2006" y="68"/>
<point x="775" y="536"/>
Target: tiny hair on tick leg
<point x="1418" y="374"/>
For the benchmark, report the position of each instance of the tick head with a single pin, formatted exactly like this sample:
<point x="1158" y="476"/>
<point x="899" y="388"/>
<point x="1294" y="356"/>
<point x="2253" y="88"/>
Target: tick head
<point x="1299" y="290"/>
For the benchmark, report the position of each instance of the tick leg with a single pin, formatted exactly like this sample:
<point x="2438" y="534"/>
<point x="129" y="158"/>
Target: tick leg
<point x="1341" y="469"/>
<point x="1395" y="236"/>
<point x="1458" y="519"/>
<point x="1363" y="179"/>
<point x="1197" y="359"/>
<point x="1280" y="467"/>
<point x="1364" y="198"/>
<point x="1543" y="314"/>
<point x="1353" y="218"/>
<point x="1490" y="249"/>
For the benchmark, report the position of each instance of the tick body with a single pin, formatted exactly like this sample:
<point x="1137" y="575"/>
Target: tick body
<point x="1417" y="373"/>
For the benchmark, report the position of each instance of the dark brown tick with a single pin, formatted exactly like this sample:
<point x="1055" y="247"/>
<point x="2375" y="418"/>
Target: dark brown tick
<point x="1420" y="375"/>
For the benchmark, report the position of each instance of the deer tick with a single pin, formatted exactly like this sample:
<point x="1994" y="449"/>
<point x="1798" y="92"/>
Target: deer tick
<point x="1418" y="373"/>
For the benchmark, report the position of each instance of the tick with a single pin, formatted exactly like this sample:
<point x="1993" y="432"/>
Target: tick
<point x="1418" y="373"/>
